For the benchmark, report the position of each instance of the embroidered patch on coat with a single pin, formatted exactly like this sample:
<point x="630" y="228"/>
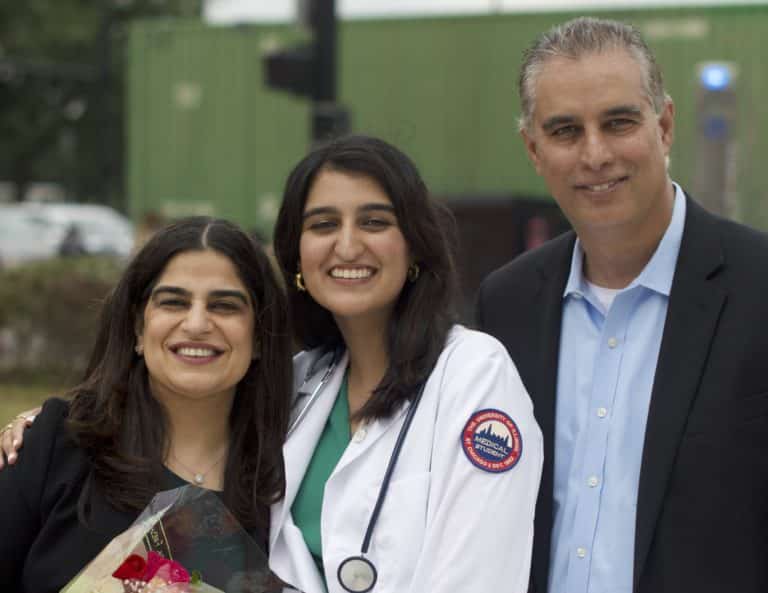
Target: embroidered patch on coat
<point x="492" y="441"/>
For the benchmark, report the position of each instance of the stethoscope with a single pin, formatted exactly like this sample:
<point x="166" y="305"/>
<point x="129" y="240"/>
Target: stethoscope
<point x="331" y="358"/>
<point x="357" y="574"/>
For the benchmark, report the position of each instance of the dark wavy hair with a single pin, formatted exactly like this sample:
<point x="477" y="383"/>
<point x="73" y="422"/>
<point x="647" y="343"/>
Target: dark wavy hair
<point x="426" y="308"/>
<point x="122" y="428"/>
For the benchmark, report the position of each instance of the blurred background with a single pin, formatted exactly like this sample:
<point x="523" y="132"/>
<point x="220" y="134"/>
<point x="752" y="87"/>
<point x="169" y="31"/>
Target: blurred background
<point x="117" y="116"/>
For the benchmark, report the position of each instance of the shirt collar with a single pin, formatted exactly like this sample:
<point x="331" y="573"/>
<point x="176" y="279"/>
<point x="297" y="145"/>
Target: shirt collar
<point x="658" y="273"/>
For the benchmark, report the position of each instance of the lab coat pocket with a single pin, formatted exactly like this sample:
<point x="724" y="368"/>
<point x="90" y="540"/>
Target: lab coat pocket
<point x="399" y="537"/>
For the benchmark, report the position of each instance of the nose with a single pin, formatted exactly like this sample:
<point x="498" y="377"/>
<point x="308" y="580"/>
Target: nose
<point x="197" y="320"/>
<point x="349" y="244"/>
<point x="596" y="152"/>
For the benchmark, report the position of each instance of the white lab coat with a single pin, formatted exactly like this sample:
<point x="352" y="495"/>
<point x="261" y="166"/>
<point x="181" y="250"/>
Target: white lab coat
<point x="446" y="526"/>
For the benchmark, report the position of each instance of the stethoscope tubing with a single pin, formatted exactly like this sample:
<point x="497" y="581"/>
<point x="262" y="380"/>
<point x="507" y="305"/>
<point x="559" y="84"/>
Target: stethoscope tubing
<point x="390" y="470"/>
<point x="364" y="572"/>
<point x="315" y="392"/>
<point x="387" y="473"/>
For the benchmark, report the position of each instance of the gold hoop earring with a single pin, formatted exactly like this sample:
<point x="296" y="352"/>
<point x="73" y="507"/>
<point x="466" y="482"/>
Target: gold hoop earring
<point x="413" y="272"/>
<point x="299" y="280"/>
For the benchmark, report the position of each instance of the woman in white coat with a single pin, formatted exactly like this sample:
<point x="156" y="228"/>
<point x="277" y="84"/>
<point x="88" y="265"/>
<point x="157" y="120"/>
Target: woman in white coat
<point x="367" y="258"/>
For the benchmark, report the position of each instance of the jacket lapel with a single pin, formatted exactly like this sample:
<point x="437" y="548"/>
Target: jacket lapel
<point x="545" y="335"/>
<point x="695" y="303"/>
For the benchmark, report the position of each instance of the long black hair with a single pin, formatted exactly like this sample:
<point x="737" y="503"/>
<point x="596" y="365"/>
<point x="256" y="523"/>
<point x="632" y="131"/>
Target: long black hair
<point x="122" y="428"/>
<point x="426" y="308"/>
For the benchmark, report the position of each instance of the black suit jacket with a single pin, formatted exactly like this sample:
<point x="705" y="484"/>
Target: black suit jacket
<point x="702" y="509"/>
<point x="43" y="545"/>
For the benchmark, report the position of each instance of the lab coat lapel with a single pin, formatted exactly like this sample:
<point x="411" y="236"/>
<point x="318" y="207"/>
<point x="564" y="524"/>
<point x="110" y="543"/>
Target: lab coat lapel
<point x="374" y="431"/>
<point x="300" y="446"/>
<point x="695" y="304"/>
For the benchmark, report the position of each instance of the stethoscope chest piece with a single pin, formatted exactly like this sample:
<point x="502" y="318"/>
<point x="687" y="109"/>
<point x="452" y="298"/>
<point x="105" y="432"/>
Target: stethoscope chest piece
<point x="357" y="574"/>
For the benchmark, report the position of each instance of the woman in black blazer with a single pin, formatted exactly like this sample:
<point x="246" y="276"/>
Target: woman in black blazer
<point x="189" y="381"/>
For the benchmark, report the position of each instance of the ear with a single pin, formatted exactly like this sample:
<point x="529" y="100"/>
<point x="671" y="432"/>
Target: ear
<point x="531" y="148"/>
<point x="667" y="125"/>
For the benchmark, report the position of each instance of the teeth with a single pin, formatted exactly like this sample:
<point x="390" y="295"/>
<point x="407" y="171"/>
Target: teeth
<point x="353" y="274"/>
<point x="196" y="352"/>
<point x="602" y="186"/>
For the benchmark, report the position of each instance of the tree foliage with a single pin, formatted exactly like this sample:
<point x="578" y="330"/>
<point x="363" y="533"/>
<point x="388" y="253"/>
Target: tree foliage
<point x="61" y="91"/>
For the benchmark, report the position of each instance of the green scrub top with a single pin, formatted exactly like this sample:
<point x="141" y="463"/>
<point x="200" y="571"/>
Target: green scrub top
<point x="308" y="503"/>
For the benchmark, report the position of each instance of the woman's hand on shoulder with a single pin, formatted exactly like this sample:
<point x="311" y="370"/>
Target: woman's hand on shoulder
<point x="12" y="436"/>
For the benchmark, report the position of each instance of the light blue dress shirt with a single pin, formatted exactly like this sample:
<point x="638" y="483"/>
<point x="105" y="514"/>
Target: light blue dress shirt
<point x="605" y="376"/>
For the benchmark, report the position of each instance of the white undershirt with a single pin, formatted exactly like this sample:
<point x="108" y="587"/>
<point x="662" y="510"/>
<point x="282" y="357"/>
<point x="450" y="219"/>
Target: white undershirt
<point x="604" y="295"/>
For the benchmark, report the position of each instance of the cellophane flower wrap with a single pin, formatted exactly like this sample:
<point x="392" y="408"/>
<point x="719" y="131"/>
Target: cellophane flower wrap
<point x="185" y="541"/>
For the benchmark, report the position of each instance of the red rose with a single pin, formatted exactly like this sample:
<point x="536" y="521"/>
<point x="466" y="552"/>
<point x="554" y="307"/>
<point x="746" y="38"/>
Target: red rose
<point x="177" y="573"/>
<point x="132" y="568"/>
<point x="154" y="562"/>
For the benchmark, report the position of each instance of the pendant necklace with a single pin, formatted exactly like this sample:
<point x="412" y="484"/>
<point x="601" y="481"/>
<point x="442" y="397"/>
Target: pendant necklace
<point x="199" y="477"/>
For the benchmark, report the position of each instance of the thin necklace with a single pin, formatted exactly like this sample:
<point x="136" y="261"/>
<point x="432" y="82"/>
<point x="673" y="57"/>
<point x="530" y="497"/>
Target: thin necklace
<point x="199" y="477"/>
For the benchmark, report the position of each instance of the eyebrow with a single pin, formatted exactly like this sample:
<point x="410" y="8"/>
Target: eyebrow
<point x="222" y="293"/>
<point x="623" y="110"/>
<point x="559" y="120"/>
<point x="373" y="206"/>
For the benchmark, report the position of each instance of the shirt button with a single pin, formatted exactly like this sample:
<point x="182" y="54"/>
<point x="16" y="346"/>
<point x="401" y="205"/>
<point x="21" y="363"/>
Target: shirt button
<point x="612" y="342"/>
<point x="581" y="552"/>
<point x="360" y="435"/>
<point x="602" y="412"/>
<point x="592" y="481"/>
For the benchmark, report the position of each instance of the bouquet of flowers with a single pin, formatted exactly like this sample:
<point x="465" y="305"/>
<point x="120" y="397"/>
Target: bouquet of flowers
<point x="155" y="573"/>
<point x="185" y="541"/>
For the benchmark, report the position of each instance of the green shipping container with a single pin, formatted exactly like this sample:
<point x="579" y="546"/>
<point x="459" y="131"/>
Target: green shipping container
<point x="206" y="136"/>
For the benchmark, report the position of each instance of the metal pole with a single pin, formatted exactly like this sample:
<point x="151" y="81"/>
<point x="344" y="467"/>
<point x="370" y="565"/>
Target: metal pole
<point x="324" y="23"/>
<point x="328" y="118"/>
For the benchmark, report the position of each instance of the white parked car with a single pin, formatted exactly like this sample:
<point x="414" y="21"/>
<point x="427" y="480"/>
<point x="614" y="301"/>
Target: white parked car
<point x="22" y="239"/>
<point x="101" y="230"/>
<point x="31" y="231"/>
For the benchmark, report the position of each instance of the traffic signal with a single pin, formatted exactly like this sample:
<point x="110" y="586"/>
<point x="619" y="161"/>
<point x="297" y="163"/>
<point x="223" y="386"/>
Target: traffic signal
<point x="309" y="69"/>
<point x="291" y="69"/>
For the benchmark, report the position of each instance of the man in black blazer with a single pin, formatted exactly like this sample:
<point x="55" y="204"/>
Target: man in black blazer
<point x="598" y="127"/>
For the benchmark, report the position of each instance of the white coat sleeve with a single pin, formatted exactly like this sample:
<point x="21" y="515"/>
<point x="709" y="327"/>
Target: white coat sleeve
<point x="479" y="531"/>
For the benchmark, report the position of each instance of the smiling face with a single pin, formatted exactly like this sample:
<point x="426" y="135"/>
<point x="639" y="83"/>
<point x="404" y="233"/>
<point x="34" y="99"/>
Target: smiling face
<point x="198" y="329"/>
<point x="353" y="256"/>
<point x="599" y="145"/>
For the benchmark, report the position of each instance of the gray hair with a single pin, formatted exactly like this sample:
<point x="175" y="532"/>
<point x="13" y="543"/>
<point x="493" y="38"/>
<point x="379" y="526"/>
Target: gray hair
<point x="579" y="37"/>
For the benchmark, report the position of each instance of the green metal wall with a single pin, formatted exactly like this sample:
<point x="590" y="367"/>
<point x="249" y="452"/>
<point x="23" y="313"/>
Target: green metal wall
<point x="444" y="89"/>
<point x="204" y="137"/>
